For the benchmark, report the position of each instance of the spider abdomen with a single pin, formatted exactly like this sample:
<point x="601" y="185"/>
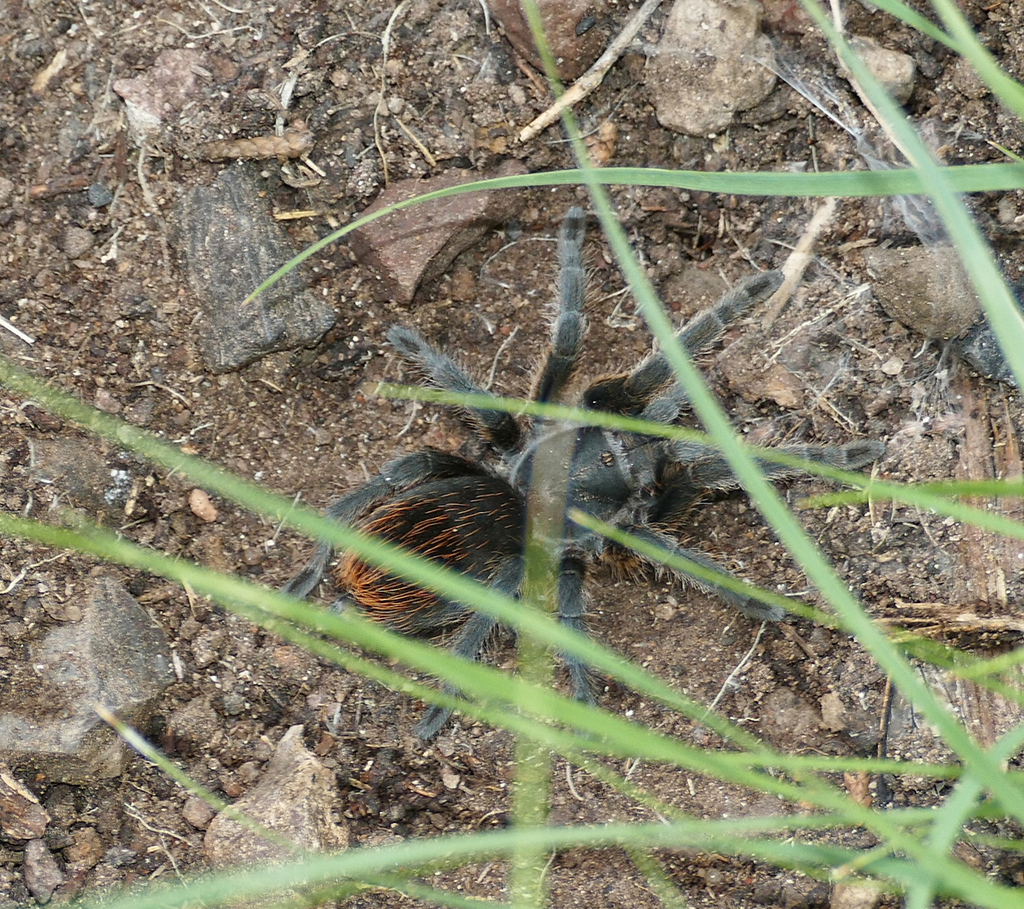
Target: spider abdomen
<point x="470" y="524"/>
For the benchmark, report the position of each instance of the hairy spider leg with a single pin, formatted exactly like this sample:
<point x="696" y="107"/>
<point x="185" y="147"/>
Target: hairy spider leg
<point x="705" y="329"/>
<point x="572" y="608"/>
<point x="697" y="468"/>
<point x="570" y="324"/>
<point x="643" y="392"/>
<point x="469" y="642"/>
<point x="397" y="475"/>
<point x="498" y="428"/>
<point x="711" y="471"/>
<point x="747" y="605"/>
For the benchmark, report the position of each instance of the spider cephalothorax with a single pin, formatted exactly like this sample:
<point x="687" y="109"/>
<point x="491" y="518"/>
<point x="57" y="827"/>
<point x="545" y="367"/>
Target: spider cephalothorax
<point x="471" y="516"/>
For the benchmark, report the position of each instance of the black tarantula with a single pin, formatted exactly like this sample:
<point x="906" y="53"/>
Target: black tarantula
<point x="471" y="517"/>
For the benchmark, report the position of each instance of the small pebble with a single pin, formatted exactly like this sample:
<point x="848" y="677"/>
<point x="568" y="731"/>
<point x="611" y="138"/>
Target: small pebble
<point x="42" y="875"/>
<point x="893" y="366"/>
<point x="98" y="195"/>
<point x="75" y="241"/>
<point x="201" y="506"/>
<point x="197" y="813"/>
<point x="894" y="69"/>
<point x="106" y="402"/>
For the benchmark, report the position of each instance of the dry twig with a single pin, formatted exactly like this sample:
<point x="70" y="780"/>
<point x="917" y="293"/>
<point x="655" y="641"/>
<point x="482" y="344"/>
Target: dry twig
<point x="593" y="77"/>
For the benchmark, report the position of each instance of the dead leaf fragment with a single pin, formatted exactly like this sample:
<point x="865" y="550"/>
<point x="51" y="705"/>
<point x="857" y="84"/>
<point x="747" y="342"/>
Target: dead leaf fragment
<point x="45" y="76"/>
<point x="859" y="786"/>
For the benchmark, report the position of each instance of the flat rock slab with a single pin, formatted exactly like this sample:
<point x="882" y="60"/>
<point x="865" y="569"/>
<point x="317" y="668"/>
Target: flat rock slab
<point x="230" y="243"/>
<point x="577" y="31"/>
<point x="416" y="245"/>
<point x="116" y="656"/>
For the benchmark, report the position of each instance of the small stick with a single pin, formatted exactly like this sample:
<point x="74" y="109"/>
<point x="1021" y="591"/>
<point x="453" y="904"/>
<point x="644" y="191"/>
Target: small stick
<point x="385" y="49"/>
<point x="739" y="667"/>
<point x="801" y="256"/>
<point x="593" y="77"/>
<point x="431" y="160"/>
<point x="14" y="330"/>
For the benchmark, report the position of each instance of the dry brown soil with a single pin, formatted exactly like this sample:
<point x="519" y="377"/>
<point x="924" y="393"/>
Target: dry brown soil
<point x="102" y="293"/>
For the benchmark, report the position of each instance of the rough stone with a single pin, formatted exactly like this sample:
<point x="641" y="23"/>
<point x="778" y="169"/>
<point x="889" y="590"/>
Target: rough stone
<point x="42" y="875"/>
<point x="967" y="81"/>
<point x="576" y="31"/>
<point x="925" y="288"/>
<point x="296" y="799"/>
<point x="894" y="69"/>
<point x="854" y="896"/>
<point x="116" y="656"/>
<point x="87" y="849"/>
<point x="197" y="813"/>
<point x="791" y="716"/>
<point x="81" y="477"/>
<point x="161" y="90"/>
<point x="75" y="242"/>
<point x="21" y="815"/>
<point x="230" y="243"/>
<point x="417" y="244"/>
<point x="705" y="68"/>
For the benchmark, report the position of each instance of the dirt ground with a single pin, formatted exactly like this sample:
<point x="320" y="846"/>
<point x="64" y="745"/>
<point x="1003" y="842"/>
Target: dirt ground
<point x="101" y="290"/>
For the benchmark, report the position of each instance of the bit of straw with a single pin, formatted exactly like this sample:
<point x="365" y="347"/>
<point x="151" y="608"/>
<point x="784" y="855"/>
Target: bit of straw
<point x="14" y="330"/>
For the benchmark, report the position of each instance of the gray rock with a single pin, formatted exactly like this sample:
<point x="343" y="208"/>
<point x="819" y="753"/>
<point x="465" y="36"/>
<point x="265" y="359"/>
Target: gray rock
<point x="417" y="244"/>
<point x="230" y="243"/>
<point x="116" y="656"/>
<point x="82" y="477"/>
<point x="925" y="288"/>
<point x="99" y="195"/>
<point x="296" y="799"/>
<point x="705" y="68"/>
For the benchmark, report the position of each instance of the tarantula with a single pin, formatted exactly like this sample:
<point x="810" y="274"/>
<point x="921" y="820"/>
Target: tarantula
<point x="471" y="517"/>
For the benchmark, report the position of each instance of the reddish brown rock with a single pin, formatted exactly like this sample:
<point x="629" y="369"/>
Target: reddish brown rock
<point x="162" y="90"/>
<point x="576" y="30"/>
<point x="21" y="815"/>
<point x="416" y="245"/>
